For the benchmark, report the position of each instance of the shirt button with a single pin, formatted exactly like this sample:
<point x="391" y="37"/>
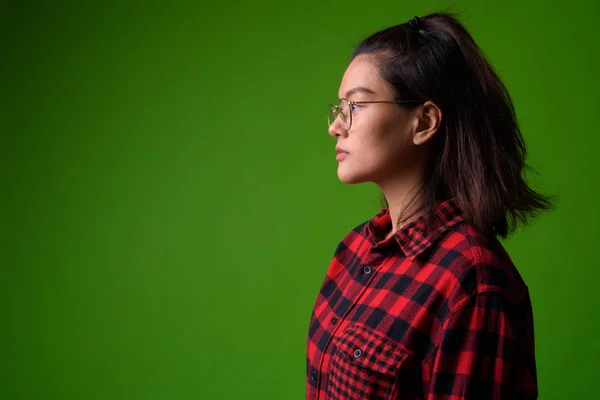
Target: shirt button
<point x="313" y="376"/>
<point x="367" y="270"/>
<point x="357" y="353"/>
<point x="333" y="320"/>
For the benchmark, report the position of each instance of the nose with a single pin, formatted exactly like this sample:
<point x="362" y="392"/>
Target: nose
<point x="336" y="129"/>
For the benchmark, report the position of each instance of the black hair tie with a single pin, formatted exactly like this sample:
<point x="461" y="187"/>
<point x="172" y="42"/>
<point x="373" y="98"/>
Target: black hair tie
<point x="415" y="24"/>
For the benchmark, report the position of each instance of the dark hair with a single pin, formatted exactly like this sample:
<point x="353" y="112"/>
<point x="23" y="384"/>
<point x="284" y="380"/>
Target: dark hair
<point x="478" y="154"/>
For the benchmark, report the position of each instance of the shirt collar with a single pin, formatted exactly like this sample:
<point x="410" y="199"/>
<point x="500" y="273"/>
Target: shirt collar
<point x="414" y="238"/>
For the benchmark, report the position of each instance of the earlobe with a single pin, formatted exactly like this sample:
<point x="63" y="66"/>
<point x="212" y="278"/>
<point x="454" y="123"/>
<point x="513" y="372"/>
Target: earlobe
<point x="419" y="139"/>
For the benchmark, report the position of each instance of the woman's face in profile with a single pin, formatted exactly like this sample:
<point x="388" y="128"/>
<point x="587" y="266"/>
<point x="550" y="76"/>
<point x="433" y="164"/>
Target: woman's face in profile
<point x="378" y="143"/>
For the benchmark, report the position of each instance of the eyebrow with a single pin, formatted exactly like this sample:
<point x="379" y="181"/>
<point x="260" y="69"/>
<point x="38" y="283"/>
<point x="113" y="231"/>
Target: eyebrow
<point x="359" y="89"/>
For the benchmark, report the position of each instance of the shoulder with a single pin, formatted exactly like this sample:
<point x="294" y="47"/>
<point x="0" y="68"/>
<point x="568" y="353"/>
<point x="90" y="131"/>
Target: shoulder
<point x="477" y="264"/>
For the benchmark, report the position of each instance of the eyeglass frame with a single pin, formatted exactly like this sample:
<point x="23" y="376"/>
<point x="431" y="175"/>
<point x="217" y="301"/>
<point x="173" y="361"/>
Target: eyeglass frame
<point x="337" y="108"/>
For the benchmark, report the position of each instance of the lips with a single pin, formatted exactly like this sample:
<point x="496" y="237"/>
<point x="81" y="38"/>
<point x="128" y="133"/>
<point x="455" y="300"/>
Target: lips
<point x="340" y="150"/>
<point x="341" y="153"/>
<point x="341" y="156"/>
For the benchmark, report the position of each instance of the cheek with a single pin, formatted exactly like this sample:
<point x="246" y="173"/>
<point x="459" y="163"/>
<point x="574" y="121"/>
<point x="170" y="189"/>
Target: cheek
<point x="381" y="140"/>
<point x="395" y="139"/>
<point x="385" y="144"/>
<point x="373" y="155"/>
<point x="385" y="155"/>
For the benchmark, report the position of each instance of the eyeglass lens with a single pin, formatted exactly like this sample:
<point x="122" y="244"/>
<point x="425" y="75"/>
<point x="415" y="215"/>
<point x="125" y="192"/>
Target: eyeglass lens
<point x="342" y="111"/>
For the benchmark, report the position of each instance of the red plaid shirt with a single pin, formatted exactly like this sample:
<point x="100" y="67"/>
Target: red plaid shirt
<point x="441" y="314"/>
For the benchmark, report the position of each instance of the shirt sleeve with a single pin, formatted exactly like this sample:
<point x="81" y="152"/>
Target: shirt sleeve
<point x="486" y="351"/>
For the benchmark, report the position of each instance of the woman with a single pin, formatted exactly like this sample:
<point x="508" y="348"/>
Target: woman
<point x="422" y="301"/>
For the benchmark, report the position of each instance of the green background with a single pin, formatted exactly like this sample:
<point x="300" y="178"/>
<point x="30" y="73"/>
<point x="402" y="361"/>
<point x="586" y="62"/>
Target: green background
<point x="170" y="202"/>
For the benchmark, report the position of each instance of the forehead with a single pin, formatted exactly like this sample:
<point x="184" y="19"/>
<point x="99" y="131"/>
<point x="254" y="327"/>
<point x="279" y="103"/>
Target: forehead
<point x="363" y="72"/>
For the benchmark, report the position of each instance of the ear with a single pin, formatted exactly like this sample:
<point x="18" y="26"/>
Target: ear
<point x="429" y="118"/>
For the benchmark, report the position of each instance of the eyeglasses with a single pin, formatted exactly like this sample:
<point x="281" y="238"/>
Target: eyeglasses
<point x="344" y="109"/>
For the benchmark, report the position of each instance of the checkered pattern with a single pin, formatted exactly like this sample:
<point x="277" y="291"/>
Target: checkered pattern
<point x="360" y="354"/>
<point x="438" y="313"/>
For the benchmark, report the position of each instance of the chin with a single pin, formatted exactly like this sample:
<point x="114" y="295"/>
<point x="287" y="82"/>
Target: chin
<point x="351" y="177"/>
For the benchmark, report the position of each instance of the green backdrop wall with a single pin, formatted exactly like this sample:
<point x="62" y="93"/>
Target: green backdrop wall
<point x="170" y="203"/>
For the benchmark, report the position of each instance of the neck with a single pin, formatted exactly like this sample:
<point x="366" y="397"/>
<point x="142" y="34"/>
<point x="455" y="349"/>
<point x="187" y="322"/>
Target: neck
<point x="398" y="194"/>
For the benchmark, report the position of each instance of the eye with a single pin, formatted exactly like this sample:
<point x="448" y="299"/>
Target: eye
<point x="355" y="107"/>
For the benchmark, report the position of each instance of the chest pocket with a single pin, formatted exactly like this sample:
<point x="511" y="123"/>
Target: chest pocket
<point x="364" y="364"/>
